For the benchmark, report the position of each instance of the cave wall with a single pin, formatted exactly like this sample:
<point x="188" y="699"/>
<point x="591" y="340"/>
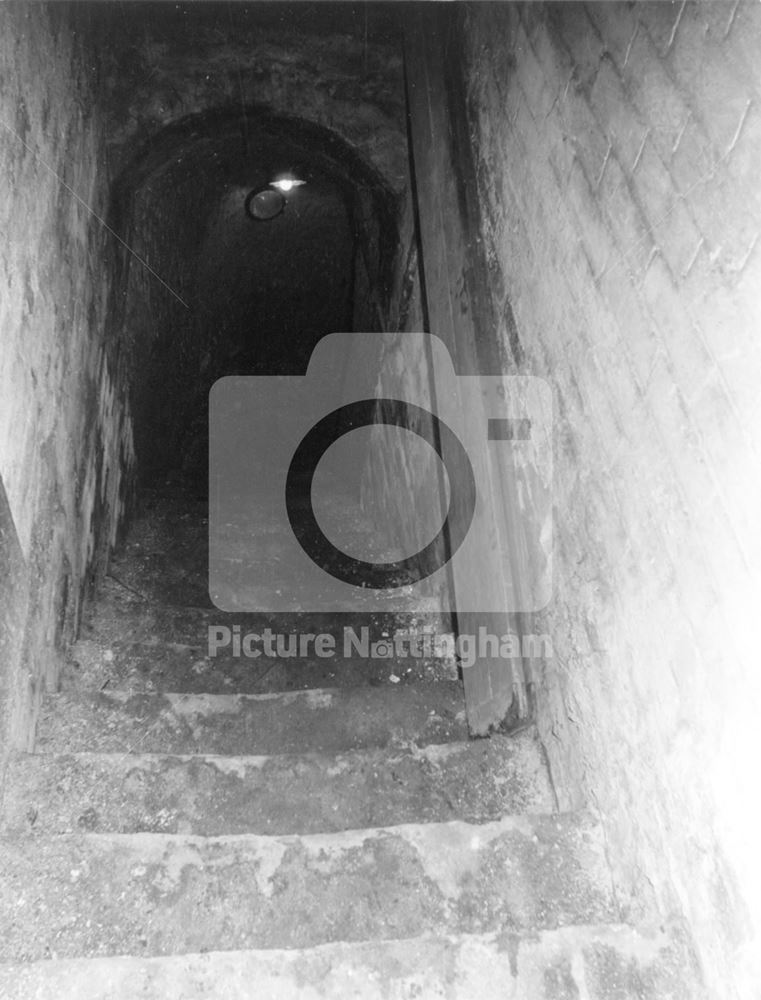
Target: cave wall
<point x="617" y="149"/>
<point x="339" y="68"/>
<point x="154" y="313"/>
<point x="65" y="438"/>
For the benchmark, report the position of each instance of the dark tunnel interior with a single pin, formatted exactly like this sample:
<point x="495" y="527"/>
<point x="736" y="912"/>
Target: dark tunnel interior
<point x="257" y="294"/>
<point x="207" y="289"/>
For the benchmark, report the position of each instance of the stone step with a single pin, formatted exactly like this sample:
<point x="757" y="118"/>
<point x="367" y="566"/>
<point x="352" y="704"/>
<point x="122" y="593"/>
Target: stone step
<point x="119" y="613"/>
<point x="305" y="793"/>
<point x="596" y="962"/>
<point x="243" y="725"/>
<point x="152" y="894"/>
<point x="188" y="667"/>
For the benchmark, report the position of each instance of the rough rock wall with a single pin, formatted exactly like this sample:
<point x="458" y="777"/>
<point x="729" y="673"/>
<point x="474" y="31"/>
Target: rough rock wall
<point x="64" y="437"/>
<point x="154" y="318"/>
<point x="330" y="68"/>
<point x="618" y="149"/>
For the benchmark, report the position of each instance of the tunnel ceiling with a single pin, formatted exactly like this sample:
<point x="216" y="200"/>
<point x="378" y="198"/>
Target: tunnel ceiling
<point x="192" y="96"/>
<point x="336" y="64"/>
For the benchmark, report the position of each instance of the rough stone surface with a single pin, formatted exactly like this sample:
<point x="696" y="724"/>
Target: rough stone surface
<point x="15" y="604"/>
<point x="318" y="719"/>
<point x="299" y="793"/>
<point x="341" y="69"/>
<point x="366" y="822"/>
<point x="101" y="894"/>
<point x="64" y="430"/>
<point x="187" y="666"/>
<point x="469" y="966"/>
<point x="150" y="628"/>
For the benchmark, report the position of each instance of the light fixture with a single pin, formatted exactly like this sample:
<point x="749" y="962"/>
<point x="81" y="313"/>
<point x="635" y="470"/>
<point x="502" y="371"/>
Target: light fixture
<point x="286" y="183"/>
<point x="263" y="204"/>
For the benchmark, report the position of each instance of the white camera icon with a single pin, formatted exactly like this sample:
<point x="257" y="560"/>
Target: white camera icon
<point x="380" y="481"/>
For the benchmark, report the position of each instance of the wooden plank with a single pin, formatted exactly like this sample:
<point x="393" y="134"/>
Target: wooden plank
<point x="461" y="312"/>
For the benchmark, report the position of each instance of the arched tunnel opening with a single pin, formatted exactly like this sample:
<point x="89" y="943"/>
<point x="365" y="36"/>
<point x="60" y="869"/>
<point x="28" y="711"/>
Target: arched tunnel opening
<point x="229" y="294"/>
<point x="378" y="500"/>
<point x="209" y="291"/>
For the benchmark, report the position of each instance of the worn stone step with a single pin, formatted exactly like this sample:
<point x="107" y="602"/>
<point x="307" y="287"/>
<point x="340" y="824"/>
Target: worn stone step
<point x="153" y="894"/>
<point x="305" y="793"/>
<point x="118" y="612"/>
<point x="292" y="722"/>
<point x="180" y="666"/>
<point x="596" y="962"/>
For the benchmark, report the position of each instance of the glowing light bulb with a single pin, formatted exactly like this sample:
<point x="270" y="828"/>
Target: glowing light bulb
<point x="286" y="184"/>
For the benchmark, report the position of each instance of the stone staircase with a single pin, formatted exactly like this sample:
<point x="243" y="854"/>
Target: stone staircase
<point x="189" y="828"/>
